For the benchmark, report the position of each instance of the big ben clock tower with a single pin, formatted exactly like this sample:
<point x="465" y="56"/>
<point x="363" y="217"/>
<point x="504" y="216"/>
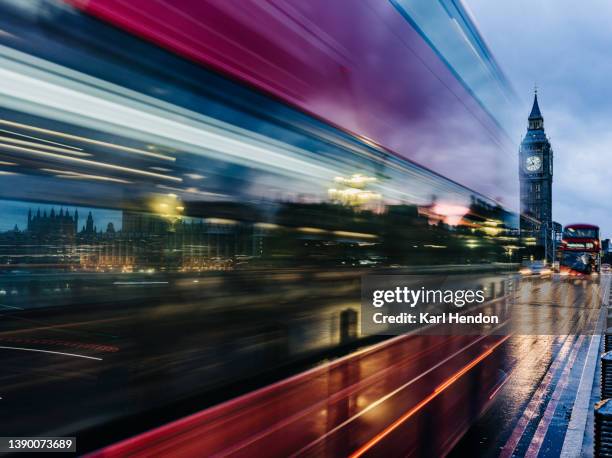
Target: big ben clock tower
<point x="535" y="173"/>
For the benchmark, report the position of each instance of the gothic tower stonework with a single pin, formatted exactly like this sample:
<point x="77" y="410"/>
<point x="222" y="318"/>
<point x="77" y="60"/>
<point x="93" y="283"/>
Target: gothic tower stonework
<point x="536" y="176"/>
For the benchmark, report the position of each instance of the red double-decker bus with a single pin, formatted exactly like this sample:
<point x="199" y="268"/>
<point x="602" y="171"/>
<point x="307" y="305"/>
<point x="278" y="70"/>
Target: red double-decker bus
<point x="580" y="250"/>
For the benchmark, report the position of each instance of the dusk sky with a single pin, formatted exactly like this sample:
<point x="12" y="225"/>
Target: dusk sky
<point x="564" y="47"/>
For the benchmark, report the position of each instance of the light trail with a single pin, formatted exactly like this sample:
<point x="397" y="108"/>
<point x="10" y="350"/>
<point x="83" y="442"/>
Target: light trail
<point x="82" y="176"/>
<point x="393" y="426"/>
<point x="38" y="87"/>
<point x="104" y="165"/>
<point x="66" y="343"/>
<point x="67" y="174"/>
<point x="500" y="386"/>
<point x="11" y="307"/>
<point x="43" y="146"/>
<point x="87" y="140"/>
<point x="38" y="139"/>
<point x="51" y="352"/>
<point x="140" y="283"/>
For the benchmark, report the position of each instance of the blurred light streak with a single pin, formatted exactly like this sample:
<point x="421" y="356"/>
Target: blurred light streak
<point x="353" y="196"/>
<point x="220" y="221"/>
<point x="358" y="235"/>
<point x="83" y="176"/>
<point x="86" y="140"/>
<point x="11" y="307"/>
<point x="140" y="283"/>
<point x="67" y="343"/>
<point x="356" y="180"/>
<point x="191" y="190"/>
<point x="51" y="352"/>
<point x="500" y="386"/>
<point x="311" y="230"/>
<point x="393" y="426"/>
<point x="43" y="146"/>
<point x="38" y="139"/>
<point x="41" y="88"/>
<point x="87" y="162"/>
<point x="267" y="225"/>
<point x="194" y="176"/>
<point x="467" y="40"/>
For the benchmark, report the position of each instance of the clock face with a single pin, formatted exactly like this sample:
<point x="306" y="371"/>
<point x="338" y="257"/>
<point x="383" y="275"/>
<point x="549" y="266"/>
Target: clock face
<point x="533" y="163"/>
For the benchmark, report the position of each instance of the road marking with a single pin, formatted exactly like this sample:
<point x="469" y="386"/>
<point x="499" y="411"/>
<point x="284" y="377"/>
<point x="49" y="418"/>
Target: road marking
<point x="572" y="444"/>
<point x="542" y="429"/>
<point x="535" y="402"/>
<point x="49" y="351"/>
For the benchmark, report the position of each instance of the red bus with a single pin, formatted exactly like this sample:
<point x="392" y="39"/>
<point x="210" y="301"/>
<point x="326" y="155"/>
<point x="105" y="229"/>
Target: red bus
<point x="241" y="116"/>
<point x="580" y="250"/>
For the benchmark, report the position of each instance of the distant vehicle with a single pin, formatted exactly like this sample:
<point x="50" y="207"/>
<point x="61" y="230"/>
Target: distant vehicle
<point x="539" y="268"/>
<point x="580" y="250"/>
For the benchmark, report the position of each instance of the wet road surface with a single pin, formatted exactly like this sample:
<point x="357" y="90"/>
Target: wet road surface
<point x="531" y="412"/>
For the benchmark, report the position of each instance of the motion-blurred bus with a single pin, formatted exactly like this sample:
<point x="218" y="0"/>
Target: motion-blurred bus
<point x="191" y="191"/>
<point x="580" y="250"/>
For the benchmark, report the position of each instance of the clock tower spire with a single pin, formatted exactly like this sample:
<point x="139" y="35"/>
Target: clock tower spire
<point x="535" y="174"/>
<point x="536" y="121"/>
